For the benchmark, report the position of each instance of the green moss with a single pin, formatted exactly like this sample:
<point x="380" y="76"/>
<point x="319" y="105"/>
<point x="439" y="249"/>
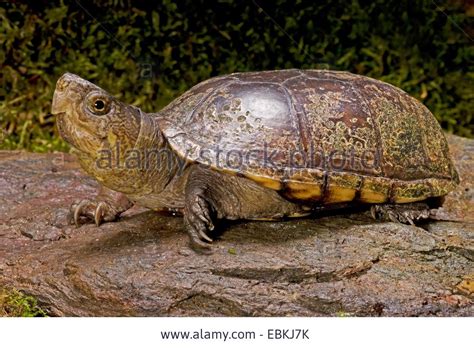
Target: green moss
<point x="16" y="304"/>
<point x="147" y="54"/>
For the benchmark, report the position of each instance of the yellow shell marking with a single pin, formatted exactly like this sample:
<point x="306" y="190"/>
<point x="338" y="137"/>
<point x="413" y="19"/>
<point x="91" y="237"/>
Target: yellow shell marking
<point x="368" y="196"/>
<point x="299" y="215"/>
<point x="375" y="190"/>
<point x="338" y="194"/>
<point x="408" y="199"/>
<point x="303" y="191"/>
<point x="413" y="192"/>
<point x="265" y="182"/>
<point x="342" y="187"/>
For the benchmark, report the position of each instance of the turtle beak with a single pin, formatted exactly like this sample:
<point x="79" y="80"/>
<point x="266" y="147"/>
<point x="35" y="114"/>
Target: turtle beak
<point x="60" y="94"/>
<point x="58" y="107"/>
<point x="68" y="87"/>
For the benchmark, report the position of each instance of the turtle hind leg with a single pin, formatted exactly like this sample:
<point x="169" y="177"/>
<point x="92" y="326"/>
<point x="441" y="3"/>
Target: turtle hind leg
<point x="409" y="213"/>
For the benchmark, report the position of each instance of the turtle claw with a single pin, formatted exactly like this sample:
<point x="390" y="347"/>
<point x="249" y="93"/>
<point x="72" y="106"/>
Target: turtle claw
<point x="78" y="210"/>
<point x="98" y="211"/>
<point x="199" y="223"/>
<point x="210" y="226"/>
<point x="401" y="213"/>
<point x="198" y="241"/>
<point x="410" y="220"/>
<point x="373" y="212"/>
<point x="205" y="237"/>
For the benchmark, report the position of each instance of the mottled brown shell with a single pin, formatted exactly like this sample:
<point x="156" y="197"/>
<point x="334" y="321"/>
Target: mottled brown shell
<point x="314" y="135"/>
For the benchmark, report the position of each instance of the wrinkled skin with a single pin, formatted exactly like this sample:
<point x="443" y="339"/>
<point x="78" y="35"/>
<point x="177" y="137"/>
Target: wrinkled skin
<point x="125" y="150"/>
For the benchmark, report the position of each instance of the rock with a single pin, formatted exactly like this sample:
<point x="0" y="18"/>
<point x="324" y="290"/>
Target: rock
<point x="344" y="263"/>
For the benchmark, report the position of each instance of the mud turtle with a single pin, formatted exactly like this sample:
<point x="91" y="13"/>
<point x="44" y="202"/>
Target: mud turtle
<point x="263" y="145"/>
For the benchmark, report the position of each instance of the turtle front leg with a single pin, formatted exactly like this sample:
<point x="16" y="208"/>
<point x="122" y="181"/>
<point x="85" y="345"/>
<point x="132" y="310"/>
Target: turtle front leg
<point x="212" y="195"/>
<point x="198" y="214"/>
<point x="107" y="206"/>
<point x="408" y="213"/>
<point x="199" y="210"/>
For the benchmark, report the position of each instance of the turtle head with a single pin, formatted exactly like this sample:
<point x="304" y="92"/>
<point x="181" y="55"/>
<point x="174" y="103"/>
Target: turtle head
<point x="107" y="135"/>
<point x="91" y="119"/>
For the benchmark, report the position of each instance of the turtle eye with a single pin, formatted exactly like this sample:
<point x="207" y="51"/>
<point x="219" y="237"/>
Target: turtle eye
<point x="98" y="105"/>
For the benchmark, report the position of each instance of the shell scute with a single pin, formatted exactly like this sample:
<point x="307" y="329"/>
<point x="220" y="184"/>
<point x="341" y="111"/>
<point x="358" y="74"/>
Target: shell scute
<point x="320" y="136"/>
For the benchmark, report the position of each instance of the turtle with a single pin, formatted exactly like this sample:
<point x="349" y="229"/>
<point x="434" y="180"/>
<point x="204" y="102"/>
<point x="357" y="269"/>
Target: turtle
<point x="265" y="145"/>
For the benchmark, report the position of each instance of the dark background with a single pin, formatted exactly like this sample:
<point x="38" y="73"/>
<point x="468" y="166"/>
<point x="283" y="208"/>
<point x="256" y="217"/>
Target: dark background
<point x="147" y="53"/>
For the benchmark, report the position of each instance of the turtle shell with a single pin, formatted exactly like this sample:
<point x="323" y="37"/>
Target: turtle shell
<point x="313" y="135"/>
